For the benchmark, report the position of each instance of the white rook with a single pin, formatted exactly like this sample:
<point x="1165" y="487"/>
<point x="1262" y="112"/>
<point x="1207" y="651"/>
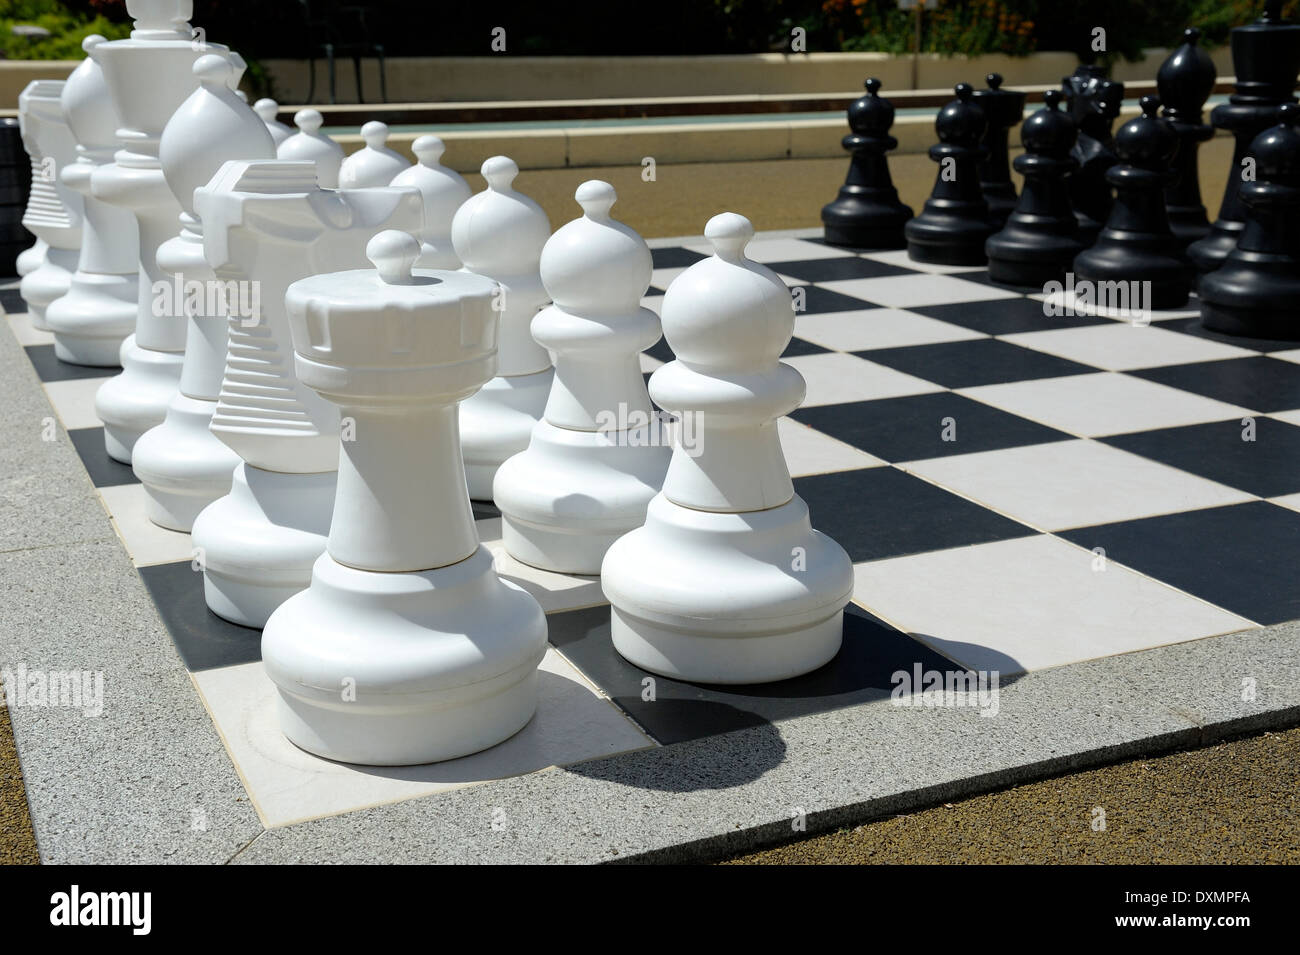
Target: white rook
<point x="268" y="222"/>
<point x="595" y="460"/>
<point x="407" y="647"/>
<point x="727" y="582"/>
<point x="92" y="320"/>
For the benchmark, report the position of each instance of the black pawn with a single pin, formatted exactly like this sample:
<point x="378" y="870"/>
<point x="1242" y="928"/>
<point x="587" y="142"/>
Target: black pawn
<point x="1041" y="237"/>
<point x="1265" y="59"/>
<point x="954" y="225"/>
<point x="1137" y="246"/>
<point x="1185" y="81"/>
<point x="1002" y="109"/>
<point x="1094" y="103"/>
<point x="1256" y="290"/>
<point x="867" y="214"/>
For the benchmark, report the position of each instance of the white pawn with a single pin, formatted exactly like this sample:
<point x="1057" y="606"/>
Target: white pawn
<point x="500" y="233"/>
<point x="444" y="192"/>
<point x="266" y="110"/>
<point x="727" y="582"/>
<point x="405" y="609"/>
<point x="54" y="210"/>
<point x="374" y="164"/>
<point x="93" y="319"/>
<point x="309" y="143"/>
<point x="183" y="466"/>
<point x="594" y="462"/>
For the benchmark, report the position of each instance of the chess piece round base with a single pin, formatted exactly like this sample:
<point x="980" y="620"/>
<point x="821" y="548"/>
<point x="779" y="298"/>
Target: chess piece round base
<point x="48" y="282"/>
<point x="496" y="423"/>
<point x="948" y="237"/>
<point x="546" y="524"/>
<point x="882" y="235"/>
<point x="1234" y="300"/>
<point x="396" y="669"/>
<point x="92" y="321"/>
<point x="182" y="464"/>
<point x="1170" y="277"/>
<point x="257" y="544"/>
<point x="1208" y="253"/>
<point x="1029" y="260"/>
<point x="773" y="608"/>
<point x="131" y="403"/>
<point x="29" y="260"/>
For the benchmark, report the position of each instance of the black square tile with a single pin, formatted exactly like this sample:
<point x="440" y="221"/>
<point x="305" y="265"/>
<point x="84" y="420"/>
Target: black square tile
<point x="1268" y="466"/>
<point x="484" y="510"/>
<point x="655" y="290"/>
<point x="871" y="653"/>
<point x="1005" y="316"/>
<point x="914" y="427"/>
<point x="797" y="346"/>
<point x="1259" y="383"/>
<point x="49" y="368"/>
<point x="12" y="301"/>
<point x="204" y="640"/>
<point x="675" y="257"/>
<point x="979" y="361"/>
<point x="881" y="512"/>
<point x="1192" y="326"/>
<point x="1241" y="558"/>
<point x="834" y="270"/>
<point x="816" y="300"/>
<point x="103" y="470"/>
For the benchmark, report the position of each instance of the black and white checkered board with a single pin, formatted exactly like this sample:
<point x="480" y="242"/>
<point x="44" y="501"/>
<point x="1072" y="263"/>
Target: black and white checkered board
<point x="1016" y="491"/>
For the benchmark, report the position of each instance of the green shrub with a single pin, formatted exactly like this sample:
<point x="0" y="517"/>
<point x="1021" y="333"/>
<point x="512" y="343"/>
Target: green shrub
<point x="68" y="27"/>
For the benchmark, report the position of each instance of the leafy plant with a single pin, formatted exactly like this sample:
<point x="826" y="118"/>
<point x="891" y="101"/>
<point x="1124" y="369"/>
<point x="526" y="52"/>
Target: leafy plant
<point x="67" y="26"/>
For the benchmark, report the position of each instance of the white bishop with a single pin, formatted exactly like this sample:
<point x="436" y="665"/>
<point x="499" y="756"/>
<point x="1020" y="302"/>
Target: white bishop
<point x="595" y="461"/>
<point x="727" y="582"/>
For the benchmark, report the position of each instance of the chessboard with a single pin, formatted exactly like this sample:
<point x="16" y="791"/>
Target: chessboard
<point x="1017" y="491"/>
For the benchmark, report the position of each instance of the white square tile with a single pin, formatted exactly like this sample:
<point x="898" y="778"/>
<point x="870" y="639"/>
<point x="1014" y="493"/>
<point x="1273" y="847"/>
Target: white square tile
<point x="74" y="401"/>
<point x="1291" y="354"/>
<point x="1067" y="302"/>
<point x="808" y="451"/>
<point x="915" y="291"/>
<point x="21" y="325"/>
<point x="836" y="378"/>
<point x="145" y="541"/>
<point x="1031" y="603"/>
<point x="1073" y="484"/>
<point x="780" y="250"/>
<point x="1291" y="501"/>
<point x="1290" y="417"/>
<point x="553" y="591"/>
<point x="1102" y="404"/>
<point x="573" y="723"/>
<point x="1121" y="346"/>
<point x="899" y="257"/>
<point x="878" y="328"/>
<point x="653" y="302"/>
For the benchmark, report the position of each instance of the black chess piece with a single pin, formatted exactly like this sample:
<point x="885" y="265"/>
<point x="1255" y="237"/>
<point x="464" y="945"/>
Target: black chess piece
<point x="1094" y="103"/>
<point x="953" y="226"/>
<point x="1137" y="244"/>
<point x="1003" y="109"/>
<point x="867" y="213"/>
<point x="1256" y="291"/>
<point x="1185" y="81"/>
<point x="1041" y="237"/>
<point x="1266" y="59"/>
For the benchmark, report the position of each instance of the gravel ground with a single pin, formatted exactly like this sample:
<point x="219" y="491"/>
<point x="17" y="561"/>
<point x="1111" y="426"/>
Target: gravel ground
<point x="17" y="842"/>
<point x="1234" y="803"/>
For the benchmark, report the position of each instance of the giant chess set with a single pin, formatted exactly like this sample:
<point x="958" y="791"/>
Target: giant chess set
<point x="393" y="457"/>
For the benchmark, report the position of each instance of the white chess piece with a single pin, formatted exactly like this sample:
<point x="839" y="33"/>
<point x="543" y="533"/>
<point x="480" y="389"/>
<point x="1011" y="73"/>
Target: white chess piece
<point x="374" y="164"/>
<point x="727" y="582"/>
<point x="181" y="463"/>
<point x="310" y="143"/>
<point x="149" y="75"/>
<point x="92" y="320"/>
<point x="269" y="223"/>
<point x="407" y="647"/>
<point x="266" y="110"/>
<point x="500" y="233"/>
<point x="54" y="210"/>
<point x="30" y="259"/>
<point x="594" y="461"/>
<point x="444" y="192"/>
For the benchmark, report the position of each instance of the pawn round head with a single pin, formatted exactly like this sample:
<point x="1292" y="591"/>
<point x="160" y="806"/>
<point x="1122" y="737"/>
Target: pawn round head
<point x="428" y="150"/>
<point x="266" y="109"/>
<point x="596" y="265"/>
<point x="500" y="232"/>
<point x="1049" y="131"/>
<point x="308" y="121"/>
<point x="393" y="254"/>
<point x="1147" y="141"/>
<point x="500" y="172"/>
<point x="375" y="134"/>
<point x="1277" y="149"/>
<point x="214" y="70"/>
<point x="871" y="114"/>
<point x="727" y="312"/>
<point x="961" y="121"/>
